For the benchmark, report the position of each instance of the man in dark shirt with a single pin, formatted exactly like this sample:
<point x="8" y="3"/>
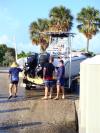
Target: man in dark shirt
<point x="48" y="73"/>
<point x="60" y="79"/>
<point x="14" y="79"/>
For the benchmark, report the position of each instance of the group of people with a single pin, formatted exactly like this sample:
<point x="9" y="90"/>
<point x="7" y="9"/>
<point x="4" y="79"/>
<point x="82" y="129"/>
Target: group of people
<point x="49" y="71"/>
<point x="48" y="76"/>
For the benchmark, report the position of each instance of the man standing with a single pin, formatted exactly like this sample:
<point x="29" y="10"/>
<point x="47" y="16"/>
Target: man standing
<point x="14" y="79"/>
<point x="60" y="79"/>
<point x="48" y="73"/>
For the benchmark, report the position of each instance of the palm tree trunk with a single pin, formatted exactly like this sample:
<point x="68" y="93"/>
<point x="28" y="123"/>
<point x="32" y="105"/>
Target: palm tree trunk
<point x="87" y="47"/>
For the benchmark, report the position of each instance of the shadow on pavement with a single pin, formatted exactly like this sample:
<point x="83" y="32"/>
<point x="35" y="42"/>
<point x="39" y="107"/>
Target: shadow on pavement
<point x="17" y="125"/>
<point x="72" y="97"/>
<point x="19" y="98"/>
<point x="13" y="110"/>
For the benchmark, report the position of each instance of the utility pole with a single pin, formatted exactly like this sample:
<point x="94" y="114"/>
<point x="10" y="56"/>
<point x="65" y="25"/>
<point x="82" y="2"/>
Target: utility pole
<point x="14" y="43"/>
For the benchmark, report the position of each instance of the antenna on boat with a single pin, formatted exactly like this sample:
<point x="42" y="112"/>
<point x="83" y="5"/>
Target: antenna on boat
<point x="14" y="43"/>
<point x="70" y="60"/>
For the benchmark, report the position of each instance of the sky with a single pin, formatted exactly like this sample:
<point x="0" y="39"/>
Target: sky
<point x="17" y="15"/>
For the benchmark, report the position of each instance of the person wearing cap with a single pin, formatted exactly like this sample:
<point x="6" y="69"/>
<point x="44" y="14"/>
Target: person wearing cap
<point x="14" y="79"/>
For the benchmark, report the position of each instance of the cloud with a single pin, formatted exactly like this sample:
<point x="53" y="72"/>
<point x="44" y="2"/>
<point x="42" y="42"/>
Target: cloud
<point x="10" y="42"/>
<point x="4" y="39"/>
<point x="94" y="44"/>
<point x="8" y="21"/>
<point x="27" y="47"/>
<point x="79" y="41"/>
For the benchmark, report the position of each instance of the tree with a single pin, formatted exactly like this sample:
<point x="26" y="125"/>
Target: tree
<point x="3" y="49"/>
<point x="22" y="54"/>
<point x="36" y="33"/>
<point x="12" y="51"/>
<point x="8" y="59"/>
<point x="89" y="23"/>
<point x="61" y="19"/>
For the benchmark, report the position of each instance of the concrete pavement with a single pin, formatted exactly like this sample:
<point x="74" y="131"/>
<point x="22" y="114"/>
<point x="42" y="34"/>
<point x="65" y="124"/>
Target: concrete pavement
<point x="29" y="114"/>
<point x="21" y="115"/>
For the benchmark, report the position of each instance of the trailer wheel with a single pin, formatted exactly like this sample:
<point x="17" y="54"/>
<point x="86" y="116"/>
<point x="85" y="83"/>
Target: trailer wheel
<point x="28" y="87"/>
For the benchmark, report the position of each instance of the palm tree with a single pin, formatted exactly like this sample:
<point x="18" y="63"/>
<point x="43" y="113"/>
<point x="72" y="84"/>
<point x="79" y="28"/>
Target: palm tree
<point x="61" y="19"/>
<point x="36" y="33"/>
<point x="89" y="19"/>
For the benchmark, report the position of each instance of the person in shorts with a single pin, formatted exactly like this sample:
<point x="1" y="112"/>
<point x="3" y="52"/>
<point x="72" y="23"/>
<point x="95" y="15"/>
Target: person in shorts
<point x="60" y="79"/>
<point x="14" y="79"/>
<point x="48" y="73"/>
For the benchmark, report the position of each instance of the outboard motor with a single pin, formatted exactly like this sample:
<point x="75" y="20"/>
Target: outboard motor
<point x="31" y="65"/>
<point x="42" y="60"/>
